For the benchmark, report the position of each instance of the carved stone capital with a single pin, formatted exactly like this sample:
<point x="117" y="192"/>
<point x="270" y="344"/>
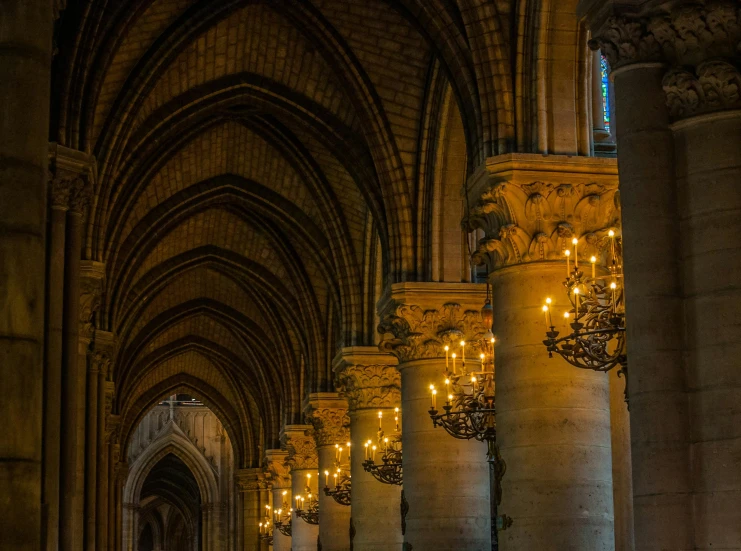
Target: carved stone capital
<point x="102" y="352"/>
<point x="72" y="175"/>
<point x="112" y="425"/>
<point x="298" y="441"/>
<point x="277" y="469"/>
<point x="91" y="290"/>
<point x="250" y="480"/>
<point x="419" y="320"/>
<point x="327" y="413"/>
<point x="699" y="40"/>
<point x="530" y="207"/>
<point x="368" y="378"/>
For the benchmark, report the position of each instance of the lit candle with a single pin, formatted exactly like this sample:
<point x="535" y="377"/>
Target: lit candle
<point x="447" y="348"/>
<point x="493" y="340"/>
<point x="549" y="320"/>
<point x="396" y="418"/>
<point x="593" y="260"/>
<point x="434" y="398"/>
<point x="380" y="418"/>
<point x="576" y="303"/>
<point x="366" y="450"/>
<point x="545" y="314"/>
<point x="447" y="386"/>
<point x="575" y="242"/>
<point x="386" y="443"/>
<point x="450" y="398"/>
<point x="473" y="383"/>
<point x="463" y="353"/>
<point x="336" y="484"/>
<point x="613" y="286"/>
<point x="348" y="451"/>
<point x="261" y="527"/>
<point x="453" y="356"/>
<point x="567" y="252"/>
<point x="326" y="478"/>
<point x="611" y="234"/>
<point x="374" y="453"/>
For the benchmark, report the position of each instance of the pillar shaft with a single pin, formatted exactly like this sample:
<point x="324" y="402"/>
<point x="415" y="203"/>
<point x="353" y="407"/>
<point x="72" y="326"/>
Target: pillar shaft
<point x="71" y="486"/>
<point x="708" y="172"/>
<point x="553" y="424"/>
<point x="371" y="383"/>
<point x="281" y="542"/>
<point x="253" y="494"/>
<point x="334" y="518"/>
<point x="53" y="372"/>
<point x="304" y="535"/>
<point x="279" y="475"/>
<point x="91" y="455"/>
<point x="25" y="58"/>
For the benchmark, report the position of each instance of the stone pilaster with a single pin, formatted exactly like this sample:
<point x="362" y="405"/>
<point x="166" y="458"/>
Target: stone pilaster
<point x="280" y="480"/>
<point x="370" y="382"/>
<point x="446" y="480"/>
<point x="530" y="207"/>
<point x="102" y="356"/>
<point x="677" y="81"/>
<point x="327" y="413"/>
<point x="302" y="459"/>
<point x="252" y="485"/>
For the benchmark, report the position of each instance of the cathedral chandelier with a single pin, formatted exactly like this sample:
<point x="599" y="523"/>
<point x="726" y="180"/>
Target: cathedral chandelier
<point x="308" y="514"/>
<point x="342" y="486"/>
<point x="283" y="517"/>
<point x="596" y="317"/>
<point x="389" y="470"/>
<point x="266" y="527"/>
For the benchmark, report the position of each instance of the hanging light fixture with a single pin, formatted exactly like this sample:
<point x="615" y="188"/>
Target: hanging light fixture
<point x="266" y="527"/>
<point x="341" y="477"/>
<point x="283" y="517"/>
<point x="389" y="469"/>
<point x="468" y="405"/>
<point x="307" y="508"/>
<point x="596" y="316"/>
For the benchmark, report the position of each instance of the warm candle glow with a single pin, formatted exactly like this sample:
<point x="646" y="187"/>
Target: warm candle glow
<point x="567" y="252"/>
<point x="575" y="243"/>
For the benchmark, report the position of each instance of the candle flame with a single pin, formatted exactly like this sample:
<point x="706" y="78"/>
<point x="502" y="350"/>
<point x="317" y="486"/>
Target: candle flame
<point x="611" y="233"/>
<point x="574" y="241"/>
<point x="593" y="259"/>
<point x="567" y="252"/>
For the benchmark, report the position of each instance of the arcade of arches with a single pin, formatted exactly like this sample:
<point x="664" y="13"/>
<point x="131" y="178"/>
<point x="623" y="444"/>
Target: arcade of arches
<point x="233" y="231"/>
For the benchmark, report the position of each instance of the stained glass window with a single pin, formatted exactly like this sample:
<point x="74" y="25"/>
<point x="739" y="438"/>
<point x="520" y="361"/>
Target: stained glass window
<point x="605" y="92"/>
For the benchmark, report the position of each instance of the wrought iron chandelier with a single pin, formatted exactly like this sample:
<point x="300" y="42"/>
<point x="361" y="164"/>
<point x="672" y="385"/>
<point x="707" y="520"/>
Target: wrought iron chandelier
<point x="389" y="471"/>
<point x="266" y="527"/>
<point x="283" y="518"/>
<point x="342" y="484"/>
<point x="308" y="514"/>
<point x="469" y="410"/>
<point x="596" y="317"/>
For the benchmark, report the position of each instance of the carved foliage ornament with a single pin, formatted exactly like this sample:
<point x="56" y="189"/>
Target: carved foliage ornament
<point x="714" y="86"/>
<point x="301" y="451"/>
<point x="538" y="220"/>
<point x="90" y="294"/>
<point x="411" y="332"/>
<point x="278" y="473"/>
<point x="331" y="425"/>
<point x="370" y="386"/>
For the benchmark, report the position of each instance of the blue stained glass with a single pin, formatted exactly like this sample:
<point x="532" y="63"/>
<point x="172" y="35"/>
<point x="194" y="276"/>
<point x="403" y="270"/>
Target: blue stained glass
<point x="605" y="92"/>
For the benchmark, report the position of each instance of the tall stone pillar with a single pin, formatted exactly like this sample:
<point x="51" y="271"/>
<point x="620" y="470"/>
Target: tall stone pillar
<point x="553" y="419"/>
<point x="73" y="381"/>
<point x="369" y="380"/>
<point x="102" y="356"/>
<point x="60" y="192"/>
<point x="327" y="413"/>
<point x="25" y="42"/>
<point x="302" y="459"/>
<point x="91" y="286"/>
<point x="280" y="480"/>
<point x="677" y="106"/>
<point x="253" y="490"/>
<point x="446" y="480"/>
<point x="122" y="473"/>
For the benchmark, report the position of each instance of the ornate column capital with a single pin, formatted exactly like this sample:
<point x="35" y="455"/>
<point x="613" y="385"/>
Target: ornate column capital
<point x="368" y="378"/>
<point x="101" y="353"/>
<point x="250" y="480"/>
<point x="91" y="290"/>
<point x="112" y="424"/>
<point x="298" y="441"/>
<point x="72" y="176"/>
<point x="530" y="207"/>
<point x="327" y="413"/>
<point x="419" y="319"/>
<point x="700" y="40"/>
<point x="277" y="469"/>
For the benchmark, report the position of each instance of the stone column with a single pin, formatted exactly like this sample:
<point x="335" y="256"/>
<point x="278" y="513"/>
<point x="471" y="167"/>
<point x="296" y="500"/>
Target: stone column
<point x="72" y="474"/>
<point x="122" y="473"/>
<point x="446" y="480"/>
<point x="553" y="419"/>
<point x="25" y="43"/>
<point x="103" y="355"/>
<point x="91" y="286"/>
<point x="676" y="80"/>
<point x="60" y="192"/>
<point x="253" y="490"/>
<point x="327" y="413"/>
<point x="302" y="459"/>
<point x="280" y="479"/>
<point x="369" y="380"/>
